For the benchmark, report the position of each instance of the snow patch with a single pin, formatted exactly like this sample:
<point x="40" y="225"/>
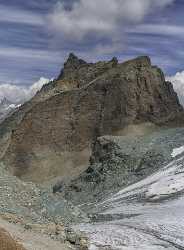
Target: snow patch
<point x="177" y="151"/>
<point x="166" y="186"/>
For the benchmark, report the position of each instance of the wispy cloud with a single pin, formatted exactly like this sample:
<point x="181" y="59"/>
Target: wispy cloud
<point x="22" y="53"/>
<point x="23" y="66"/>
<point x="158" y="29"/>
<point x="14" y="15"/>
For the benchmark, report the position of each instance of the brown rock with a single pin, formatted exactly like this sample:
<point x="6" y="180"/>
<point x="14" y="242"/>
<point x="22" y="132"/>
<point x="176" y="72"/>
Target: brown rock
<point x="7" y="242"/>
<point x="11" y="218"/>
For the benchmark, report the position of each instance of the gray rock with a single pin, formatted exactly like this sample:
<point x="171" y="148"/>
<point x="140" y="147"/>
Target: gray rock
<point x="118" y="161"/>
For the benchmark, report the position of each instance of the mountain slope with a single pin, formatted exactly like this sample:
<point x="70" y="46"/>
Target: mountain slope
<point x="6" y="108"/>
<point x="147" y="214"/>
<point x="57" y="128"/>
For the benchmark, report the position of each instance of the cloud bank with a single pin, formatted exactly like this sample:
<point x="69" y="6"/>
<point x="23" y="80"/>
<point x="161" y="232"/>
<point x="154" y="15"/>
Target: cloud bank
<point x="178" y="84"/>
<point x="20" y="94"/>
<point x="104" y="17"/>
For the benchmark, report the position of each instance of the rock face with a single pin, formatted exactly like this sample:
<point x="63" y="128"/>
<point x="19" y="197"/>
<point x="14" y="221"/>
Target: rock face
<point x="119" y="161"/>
<point x="78" y="73"/>
<point x="54" y="135"/>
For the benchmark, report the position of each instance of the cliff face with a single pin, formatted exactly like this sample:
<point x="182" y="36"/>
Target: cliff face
<point x="54" y="136"/>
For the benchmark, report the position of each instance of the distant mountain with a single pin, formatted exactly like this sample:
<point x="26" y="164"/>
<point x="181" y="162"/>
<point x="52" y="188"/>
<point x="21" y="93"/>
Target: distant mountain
<point x="6" y="108"/>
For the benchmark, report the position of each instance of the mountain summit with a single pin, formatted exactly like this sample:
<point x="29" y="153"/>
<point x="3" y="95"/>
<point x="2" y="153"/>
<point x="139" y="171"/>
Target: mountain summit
<point x="53" y="134"/>
<point x="73" y="61"/>
<point x="5" y="101"/>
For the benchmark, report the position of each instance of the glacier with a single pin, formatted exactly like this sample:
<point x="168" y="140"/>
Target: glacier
<point x="148" y="214"/>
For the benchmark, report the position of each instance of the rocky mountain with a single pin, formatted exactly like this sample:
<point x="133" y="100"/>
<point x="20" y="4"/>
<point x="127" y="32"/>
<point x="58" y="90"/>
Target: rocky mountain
<point x="94" y="161"/>
<point x="6" y="108"/>
<point x="53" y="134"/>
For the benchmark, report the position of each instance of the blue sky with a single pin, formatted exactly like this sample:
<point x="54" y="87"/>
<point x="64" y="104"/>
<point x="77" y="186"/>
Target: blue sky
<point x="36" y="36"/>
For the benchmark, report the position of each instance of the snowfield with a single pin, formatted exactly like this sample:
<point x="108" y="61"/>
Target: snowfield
<point x="146" y="215"/>
<point x="177" y="151"/>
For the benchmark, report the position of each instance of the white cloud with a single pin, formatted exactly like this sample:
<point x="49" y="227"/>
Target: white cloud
<point x="37" y="54"/>
<point x="20" y="94"/>
<point x="158" y="29"/>
<point x="178" y="84"/>
<point x="104" y="17"/>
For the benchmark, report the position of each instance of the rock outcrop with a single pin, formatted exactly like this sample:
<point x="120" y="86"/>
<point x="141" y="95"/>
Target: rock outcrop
<point x="119" y="161"/>
<point x="54" y="133"/>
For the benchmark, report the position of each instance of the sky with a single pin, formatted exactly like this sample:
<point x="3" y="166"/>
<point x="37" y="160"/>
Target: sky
<point x="36" y="36"/>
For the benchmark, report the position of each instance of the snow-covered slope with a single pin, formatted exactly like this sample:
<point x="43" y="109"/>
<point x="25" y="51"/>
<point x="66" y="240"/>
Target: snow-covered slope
<point x="6" y="107"/>
<point x="146" y="215"/>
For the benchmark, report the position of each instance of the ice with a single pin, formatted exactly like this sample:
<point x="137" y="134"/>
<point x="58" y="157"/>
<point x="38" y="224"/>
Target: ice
<point x="150" y="214"/>
<point x="166" y="186"/>
<point x="177" y="151"/>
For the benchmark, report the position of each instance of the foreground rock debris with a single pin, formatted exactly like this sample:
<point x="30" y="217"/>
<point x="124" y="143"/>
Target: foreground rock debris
<point x="34" y="214"/>
<point x="72" y="157"/>
<point x="7" y="242"/>
<point x="38" y="236"/>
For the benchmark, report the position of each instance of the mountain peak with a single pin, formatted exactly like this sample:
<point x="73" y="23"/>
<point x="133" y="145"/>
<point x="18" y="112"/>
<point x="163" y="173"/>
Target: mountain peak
<point x="72" y="56"/>
<point x="5" y="101"/>
<point x="73" y="61"/>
